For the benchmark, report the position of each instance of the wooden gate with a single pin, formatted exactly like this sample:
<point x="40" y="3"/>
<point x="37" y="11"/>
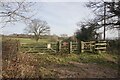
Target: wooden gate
<point x="87" y="46"/>
<point x="63" y="47"/>
<point x="67" y="47"/>
<point x="94" y="46"/>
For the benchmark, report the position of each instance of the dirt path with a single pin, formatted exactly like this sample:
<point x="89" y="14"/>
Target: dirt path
<point x="82" y="70"/>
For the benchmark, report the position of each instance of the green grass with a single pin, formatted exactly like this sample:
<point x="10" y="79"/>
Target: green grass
<point x="99" y="59"/>
<point x="30" y="41"/>
<point x="103" y="59"/>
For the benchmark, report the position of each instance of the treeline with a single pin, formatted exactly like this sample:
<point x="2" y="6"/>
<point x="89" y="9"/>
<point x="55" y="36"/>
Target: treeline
<point x="23" y="36"/>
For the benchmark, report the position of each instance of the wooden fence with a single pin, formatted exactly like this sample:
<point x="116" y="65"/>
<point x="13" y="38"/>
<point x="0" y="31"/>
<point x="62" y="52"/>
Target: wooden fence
<point x="78" y="47"/>
<point x="94" y="46"/>
<point x="67" y="47"/>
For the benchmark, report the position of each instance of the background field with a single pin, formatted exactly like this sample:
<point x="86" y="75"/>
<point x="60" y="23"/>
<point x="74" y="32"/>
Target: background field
<point x="29" y="41"/>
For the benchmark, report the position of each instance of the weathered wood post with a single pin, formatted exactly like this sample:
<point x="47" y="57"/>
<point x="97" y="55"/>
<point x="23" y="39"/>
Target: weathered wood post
<point x="91" y="49"/>
<point x="82" y="46"/>
<point x="70" y="47"/>
<point x="57" y="49"/>
<point x="79" y="47"/>
<point x="58" y="46"/>
<point x="93" y="46"/>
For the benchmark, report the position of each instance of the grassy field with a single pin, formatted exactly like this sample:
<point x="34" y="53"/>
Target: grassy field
<point x="30" y="41"/>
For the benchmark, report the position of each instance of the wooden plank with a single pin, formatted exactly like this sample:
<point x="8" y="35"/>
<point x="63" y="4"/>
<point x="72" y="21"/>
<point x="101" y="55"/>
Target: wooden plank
<point x="102" y="41"/>
<point x="100" y="48"/>
<point x="101" y="44"/>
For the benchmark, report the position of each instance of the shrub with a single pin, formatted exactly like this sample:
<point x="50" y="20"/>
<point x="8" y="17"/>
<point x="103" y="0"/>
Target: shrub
<point x="114" y="46"/>
<point x="10" y="49"/>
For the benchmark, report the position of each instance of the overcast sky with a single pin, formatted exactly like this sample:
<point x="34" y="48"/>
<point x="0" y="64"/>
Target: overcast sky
<point x="60" y="16"/>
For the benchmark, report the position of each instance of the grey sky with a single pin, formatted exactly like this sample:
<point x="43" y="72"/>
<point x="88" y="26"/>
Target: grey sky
<point x="53" y="0"/>
<point x="61" y="16"/>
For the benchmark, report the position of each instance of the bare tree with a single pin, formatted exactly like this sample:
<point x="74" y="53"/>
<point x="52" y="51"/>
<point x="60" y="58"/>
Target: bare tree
<point x="38" y="28"/>
<point x="107" y="13"/>
<point x="11" y="12"/>
<point x="112" y="10"/>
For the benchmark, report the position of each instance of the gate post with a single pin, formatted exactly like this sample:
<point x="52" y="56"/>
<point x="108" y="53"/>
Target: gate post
<point x="82" y="46"/>
<point x="58" y="46"/>
<point x="79" y="47"/>
<point x="70" y="47"/>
